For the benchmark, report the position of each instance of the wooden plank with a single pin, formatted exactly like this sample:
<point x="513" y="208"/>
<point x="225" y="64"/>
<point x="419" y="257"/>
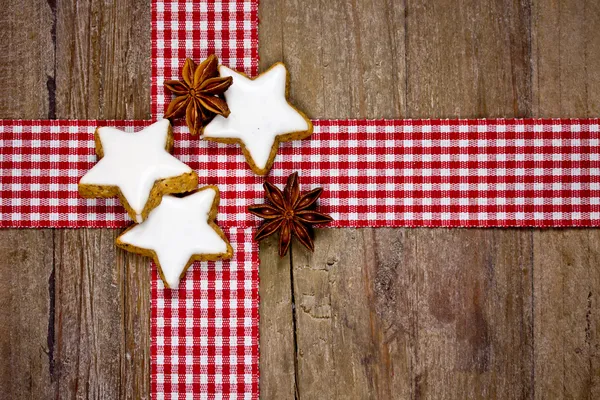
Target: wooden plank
<point x="567" y="317"/>
<point x="103" y="308"/>
<point x="472" y="59"/>
<point x="347" y="348"/>
<point x="410" y="313"/>
<point x="26" y="265"/>
<point x="101" y="325"/>
<point x="103" y="59"/>
<point x="478" y="283"/>
<point x="468" y="58"/>
<point x="566" y="70"/>
<point x="321" y="80"/>
<point x="88" y="316"/>
<point x="277" y="337"/>
<point x="26" y="342"/>
<point x="345" y="59"/>
<point x="277" y="334"/>
<point x="26" y="59"/>
<point x="94" y="332"/>
<point x="566" y="59"/>
<point x="135" y="346"/>
<point x="463" y="59"/>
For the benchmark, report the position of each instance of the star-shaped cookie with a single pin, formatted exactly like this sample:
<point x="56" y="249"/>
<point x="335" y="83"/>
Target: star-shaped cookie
<point x="260" y="117"/>
<point x="178" y="232"/>
<point x="137" y="167"/>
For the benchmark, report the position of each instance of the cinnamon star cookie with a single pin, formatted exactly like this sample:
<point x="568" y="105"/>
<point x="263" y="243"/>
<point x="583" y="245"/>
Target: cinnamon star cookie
<point x="137" y="167"/>
<point x="260" y="116"/>
<point x="178" y="232"/>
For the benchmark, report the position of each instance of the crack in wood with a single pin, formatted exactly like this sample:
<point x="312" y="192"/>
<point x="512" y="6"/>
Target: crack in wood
<point x="51" y="79"/>
<point x="294" y="325"/>
<point x="50" y="340"/>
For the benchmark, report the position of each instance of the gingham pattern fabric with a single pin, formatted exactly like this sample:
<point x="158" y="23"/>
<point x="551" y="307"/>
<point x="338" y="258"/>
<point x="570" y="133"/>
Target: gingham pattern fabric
<point x="196" y="29"/>
<point x="40" y="165"/>
<point x="205" y="335"/>
<point x="476" y="173"/>
<point x="216" y="354"/>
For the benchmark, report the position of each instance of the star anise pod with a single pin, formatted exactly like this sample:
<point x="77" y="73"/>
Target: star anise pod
<point x="198" y="94"/>
<point x="290" y="214"/>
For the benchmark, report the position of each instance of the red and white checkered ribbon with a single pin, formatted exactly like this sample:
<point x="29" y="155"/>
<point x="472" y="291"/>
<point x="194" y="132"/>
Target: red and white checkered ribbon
<point x="205" y="334"/>
<point x="196" y="29"/>
<point x="476" y="173"/>
<point x="479" y="173"/>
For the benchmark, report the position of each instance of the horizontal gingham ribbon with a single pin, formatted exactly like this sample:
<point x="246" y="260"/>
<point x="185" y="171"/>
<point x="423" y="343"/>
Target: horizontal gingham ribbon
<point x="475" y="173"/>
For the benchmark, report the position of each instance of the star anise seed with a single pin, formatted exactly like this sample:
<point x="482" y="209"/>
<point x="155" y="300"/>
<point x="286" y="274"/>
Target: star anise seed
<point x="199" y="94"/>
<point x="289" y="213"/>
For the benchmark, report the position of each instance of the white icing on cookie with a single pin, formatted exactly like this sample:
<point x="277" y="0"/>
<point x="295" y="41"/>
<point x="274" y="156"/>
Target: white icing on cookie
<point x="134" y="161"/>
<point x="259" y="112"/>
<point x="176" y="230"/>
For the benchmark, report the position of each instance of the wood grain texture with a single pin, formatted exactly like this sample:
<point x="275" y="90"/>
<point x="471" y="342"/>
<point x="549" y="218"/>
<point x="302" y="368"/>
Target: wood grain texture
<point x="26" y="59"/>
<point x="103" y="72"/>
<point x="101" y="318"/>
<point x="26" y="262"/>
<point x="393" y="313"/>
<point x="103" y="59"/>
<point x="468" y="58"/>
<point x="436" y="313"/>
<point x="349" y="63"/>
<point x="26" y="343"/>
<point x="277" y="338"/>
<point x="79" y="313"/>
<point x="566" y="58"/>
<point x="566" y="82"/>
<point x="88" y="326"/>
<point x="567" y="318"/>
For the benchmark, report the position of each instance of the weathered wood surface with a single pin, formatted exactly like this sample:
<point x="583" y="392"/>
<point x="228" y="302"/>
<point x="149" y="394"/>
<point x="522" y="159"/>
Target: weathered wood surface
<point x="75" y="315"/>
<point x="418" y="313"/>
<point x="566" y="285"/>
<point x="388" y="313"/>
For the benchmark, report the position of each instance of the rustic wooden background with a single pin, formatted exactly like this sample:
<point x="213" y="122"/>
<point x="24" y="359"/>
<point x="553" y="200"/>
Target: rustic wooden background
<point x="373" y="313"/>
